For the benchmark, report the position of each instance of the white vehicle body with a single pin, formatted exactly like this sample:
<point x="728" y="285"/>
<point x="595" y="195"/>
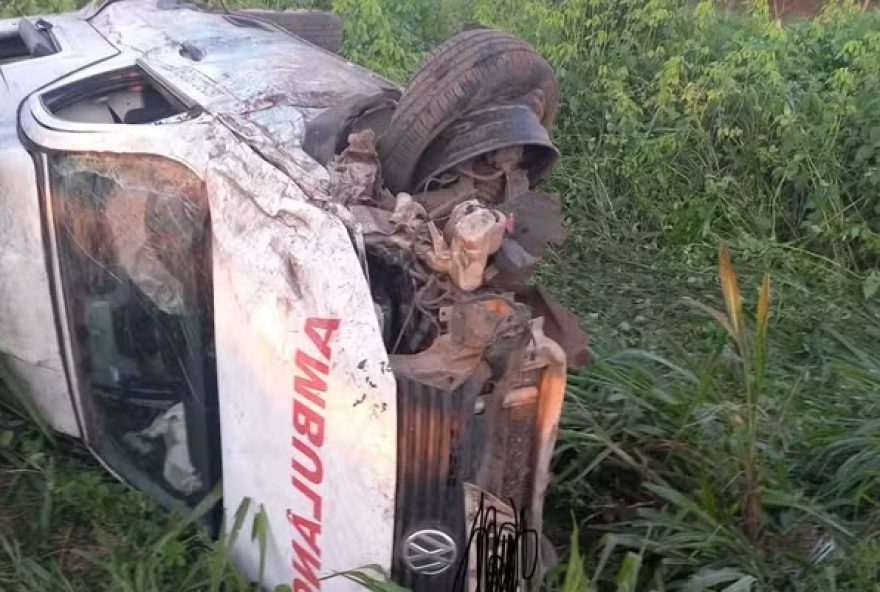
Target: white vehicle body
<point x="282" y="353"/>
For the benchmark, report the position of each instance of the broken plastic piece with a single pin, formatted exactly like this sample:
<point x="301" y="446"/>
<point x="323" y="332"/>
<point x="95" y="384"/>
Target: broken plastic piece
<point x="473" y="233"/>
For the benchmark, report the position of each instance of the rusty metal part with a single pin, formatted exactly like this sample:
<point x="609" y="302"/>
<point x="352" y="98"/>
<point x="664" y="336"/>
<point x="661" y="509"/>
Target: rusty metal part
<point x="444" y="365"/>
<point x="560" y="324"/>
<point x="537" y="220"/>
<point x="476" y="325"/>
<point x="511" y="267"/>
<point x="356" y="174"/>
<point x="479" y="321"/>
<point x="486" y="131"/>
<point x="545" y="353"/>
<point x="505" y="356"/>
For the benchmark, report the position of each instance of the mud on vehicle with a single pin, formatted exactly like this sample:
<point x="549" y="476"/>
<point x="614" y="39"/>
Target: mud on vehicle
<point x="231" y="257"/>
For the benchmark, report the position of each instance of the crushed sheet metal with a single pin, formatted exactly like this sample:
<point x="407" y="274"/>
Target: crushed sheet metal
<point x="236" y="57"/>
<point x="282" y="256"/>
<point x="267" y="107"/>
<point x="545" y="352"/>
<point x="474" y="326"/>
<point x="291" y="329"/>
<point x="560" y="324"/>
<point x="444" y="365"/>
<point x="355" y="174"/>
<point x="537" y="220"/>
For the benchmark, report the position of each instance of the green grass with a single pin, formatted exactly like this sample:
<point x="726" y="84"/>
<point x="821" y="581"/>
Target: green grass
<point x="65" y="525"/>
<point x="691" y="457"/>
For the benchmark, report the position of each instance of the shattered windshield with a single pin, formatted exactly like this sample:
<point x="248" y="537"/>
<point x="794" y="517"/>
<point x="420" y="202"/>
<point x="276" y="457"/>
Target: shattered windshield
<point x="133" y="241"/>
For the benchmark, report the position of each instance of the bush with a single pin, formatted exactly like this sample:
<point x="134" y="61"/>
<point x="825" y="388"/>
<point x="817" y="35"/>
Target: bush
<point x="688" y="122"/>
<point x="19" y="7"/>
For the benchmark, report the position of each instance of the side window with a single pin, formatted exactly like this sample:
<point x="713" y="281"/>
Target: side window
<point x="127" y="96"/>
<point x="134" y="253"/>
<point x="29" y="40"/>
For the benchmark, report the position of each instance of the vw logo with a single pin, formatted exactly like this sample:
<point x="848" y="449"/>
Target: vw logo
<point x="429" y="552"/>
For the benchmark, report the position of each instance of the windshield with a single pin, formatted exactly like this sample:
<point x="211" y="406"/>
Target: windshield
<point x="134" y="254"/>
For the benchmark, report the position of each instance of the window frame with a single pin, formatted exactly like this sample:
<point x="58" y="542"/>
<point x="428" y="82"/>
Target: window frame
<point x="45" y="135"/>
<point x="78" y="45"/>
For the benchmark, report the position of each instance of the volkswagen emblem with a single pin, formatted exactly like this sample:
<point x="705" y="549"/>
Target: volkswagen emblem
<point x="429" y="552"/>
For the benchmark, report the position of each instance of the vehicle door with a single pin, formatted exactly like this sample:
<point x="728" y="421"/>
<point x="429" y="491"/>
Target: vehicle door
<point x="127" y="225"/>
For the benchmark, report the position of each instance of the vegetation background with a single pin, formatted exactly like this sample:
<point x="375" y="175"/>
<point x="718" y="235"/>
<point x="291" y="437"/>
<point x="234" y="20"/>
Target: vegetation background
<point x="727" y="438"/>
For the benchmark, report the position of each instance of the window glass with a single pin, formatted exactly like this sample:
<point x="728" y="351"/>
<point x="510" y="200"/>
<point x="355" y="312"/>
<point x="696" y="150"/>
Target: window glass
<point x="127" y="96"/>
<point x="30" y="40"/>
<point x="134" y="252"/>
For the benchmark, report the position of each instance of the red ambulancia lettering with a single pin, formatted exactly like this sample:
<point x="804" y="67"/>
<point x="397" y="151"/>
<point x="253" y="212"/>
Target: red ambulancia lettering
<point x="311" y="385"/>
<point x="308" y="530"/>
<point x="308" y="493"/>
<point x="307" y="421"/>
<point x="313" y="469"/>
<point x="306" y="566"/>
<point x="322" y="342"/>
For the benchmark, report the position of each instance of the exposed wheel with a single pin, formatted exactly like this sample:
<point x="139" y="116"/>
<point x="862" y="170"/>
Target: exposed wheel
<point x="475" y="69"/>
<point x="324" y="29"/>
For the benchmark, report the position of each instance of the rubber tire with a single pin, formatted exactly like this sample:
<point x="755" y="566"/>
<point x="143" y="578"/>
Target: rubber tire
<point x="322" y="28"/>
<point x="473" y="69"/>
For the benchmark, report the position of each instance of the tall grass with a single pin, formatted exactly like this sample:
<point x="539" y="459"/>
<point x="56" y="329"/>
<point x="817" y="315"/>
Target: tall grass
<point x="687" y="463"/>
<point x="67" y="525"/>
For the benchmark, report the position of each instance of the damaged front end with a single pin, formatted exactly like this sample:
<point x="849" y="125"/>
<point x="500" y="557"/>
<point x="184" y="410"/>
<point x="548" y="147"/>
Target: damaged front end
<point x="479" y="356"/>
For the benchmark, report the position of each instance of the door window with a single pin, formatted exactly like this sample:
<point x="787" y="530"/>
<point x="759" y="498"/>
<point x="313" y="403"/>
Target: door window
<point x="134" y="254"/>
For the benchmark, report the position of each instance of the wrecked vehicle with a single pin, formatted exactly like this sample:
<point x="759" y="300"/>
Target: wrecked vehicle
<point x="231" y="257"/>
